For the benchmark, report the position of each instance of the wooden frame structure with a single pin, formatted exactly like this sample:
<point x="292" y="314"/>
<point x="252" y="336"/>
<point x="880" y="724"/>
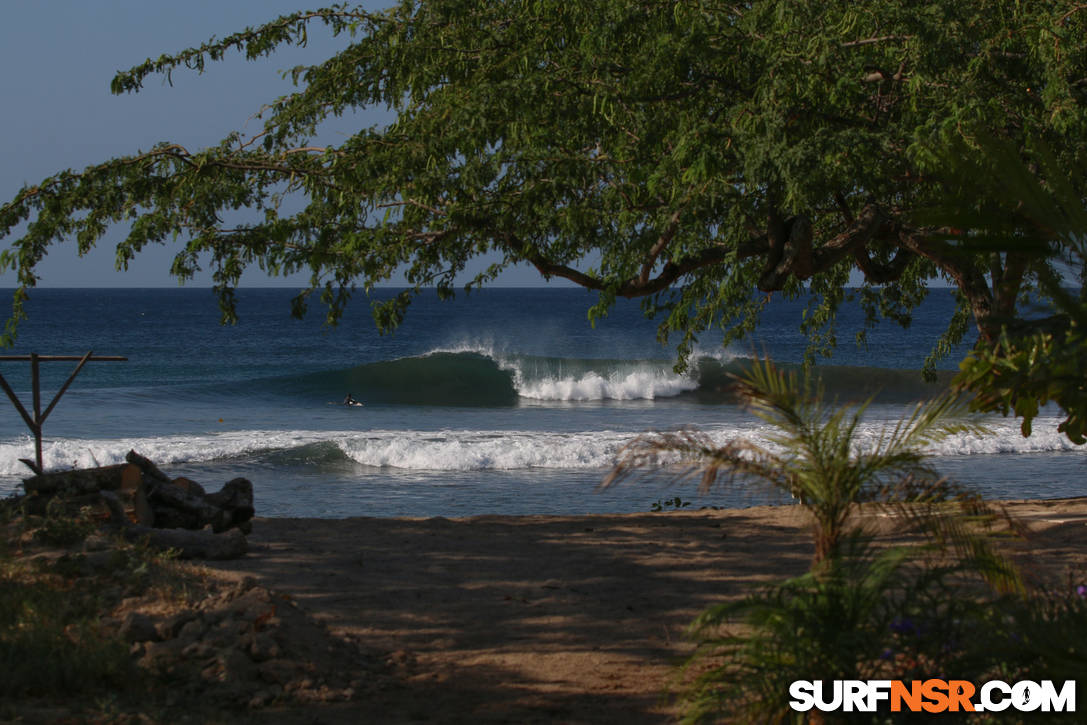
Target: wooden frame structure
<point x="35" y="421"/>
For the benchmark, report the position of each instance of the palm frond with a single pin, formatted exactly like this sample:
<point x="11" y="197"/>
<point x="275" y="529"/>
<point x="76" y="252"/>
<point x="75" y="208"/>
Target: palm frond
<point x="691" y="453"/>
<point x="815" y="454"/>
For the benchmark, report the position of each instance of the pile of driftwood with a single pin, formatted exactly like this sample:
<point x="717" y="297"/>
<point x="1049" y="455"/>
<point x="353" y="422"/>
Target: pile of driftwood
<point x="145" y="504"/>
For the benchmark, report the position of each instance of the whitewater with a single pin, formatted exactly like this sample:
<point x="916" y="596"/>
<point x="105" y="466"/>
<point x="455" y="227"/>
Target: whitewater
<point x="462" y="450"/>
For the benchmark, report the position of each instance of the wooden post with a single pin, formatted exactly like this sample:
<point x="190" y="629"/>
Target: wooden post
<point x="35" y="386"/>
<point x="35" y="422"/>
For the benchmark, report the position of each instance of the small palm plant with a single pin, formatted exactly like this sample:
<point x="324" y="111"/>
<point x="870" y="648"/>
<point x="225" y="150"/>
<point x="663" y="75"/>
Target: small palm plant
<point x="816" y="455"/>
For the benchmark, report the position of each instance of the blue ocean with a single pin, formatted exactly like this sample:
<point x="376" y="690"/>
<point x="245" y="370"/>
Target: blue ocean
<point x="505" y="401"/>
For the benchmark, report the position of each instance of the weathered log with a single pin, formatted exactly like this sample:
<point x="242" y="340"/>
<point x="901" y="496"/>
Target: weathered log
<point x="181" y="503"/>
<point x="150" y="496"/>
<point x="189" y="544"/>
<point x="190" y="486"/>
<point x="178" y="506"/>
<point x="149" y="469"/>
<point x="134" y="495"/>
<point x="76" y="482"/>
<point x="80" y="487"/>
<point x="236" y="496"/>
<point x="89" y="480"/>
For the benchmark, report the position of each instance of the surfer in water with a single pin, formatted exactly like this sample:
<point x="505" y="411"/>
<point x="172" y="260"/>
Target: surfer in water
<point x="350" y="400"/>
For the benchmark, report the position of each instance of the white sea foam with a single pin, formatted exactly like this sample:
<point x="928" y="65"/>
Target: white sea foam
<point x="635" y="385"/>
<point x="65" y="453"/>
<point x="1004" y="437"/>
<point x="603" y="380"/>
<point x="484" y="450"/>
<point x="439" y="450"/>
<point x="459" y="450"/>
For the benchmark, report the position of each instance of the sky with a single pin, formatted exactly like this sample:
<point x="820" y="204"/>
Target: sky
<point x="59" y="57"/>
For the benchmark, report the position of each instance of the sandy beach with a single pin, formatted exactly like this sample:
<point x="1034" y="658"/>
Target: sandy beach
<point x="543" y="619"/>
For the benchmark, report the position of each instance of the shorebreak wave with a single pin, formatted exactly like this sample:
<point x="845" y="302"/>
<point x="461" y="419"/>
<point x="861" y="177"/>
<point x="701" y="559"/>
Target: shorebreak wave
<point x="451" y="450"/>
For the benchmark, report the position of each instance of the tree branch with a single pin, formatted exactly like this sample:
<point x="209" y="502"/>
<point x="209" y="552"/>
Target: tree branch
<point x="969" y="280"/>
<point x="654" y="253"/>
<point x="671" y="271"/>
<point x="876" y="273"/>
<point x="798" y="259"/>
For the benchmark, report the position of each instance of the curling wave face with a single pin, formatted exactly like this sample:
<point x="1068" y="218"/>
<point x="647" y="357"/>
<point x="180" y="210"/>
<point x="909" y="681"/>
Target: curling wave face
<point x="481" y="377"/>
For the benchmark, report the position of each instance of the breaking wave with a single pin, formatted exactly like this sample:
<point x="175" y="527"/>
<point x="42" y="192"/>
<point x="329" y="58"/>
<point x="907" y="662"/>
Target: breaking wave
<point x="481" y="377"/>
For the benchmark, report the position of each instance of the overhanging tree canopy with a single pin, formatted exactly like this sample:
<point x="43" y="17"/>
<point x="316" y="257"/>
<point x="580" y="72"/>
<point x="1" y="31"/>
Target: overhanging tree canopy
<point x="687" y="153"/>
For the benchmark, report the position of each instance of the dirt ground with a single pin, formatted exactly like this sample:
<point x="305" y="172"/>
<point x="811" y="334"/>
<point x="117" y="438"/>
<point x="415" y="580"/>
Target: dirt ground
<point x="549" y="619"/>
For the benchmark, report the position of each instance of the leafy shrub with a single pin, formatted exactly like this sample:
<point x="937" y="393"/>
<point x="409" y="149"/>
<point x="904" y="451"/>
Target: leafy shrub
<point x="877" y="615"/>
